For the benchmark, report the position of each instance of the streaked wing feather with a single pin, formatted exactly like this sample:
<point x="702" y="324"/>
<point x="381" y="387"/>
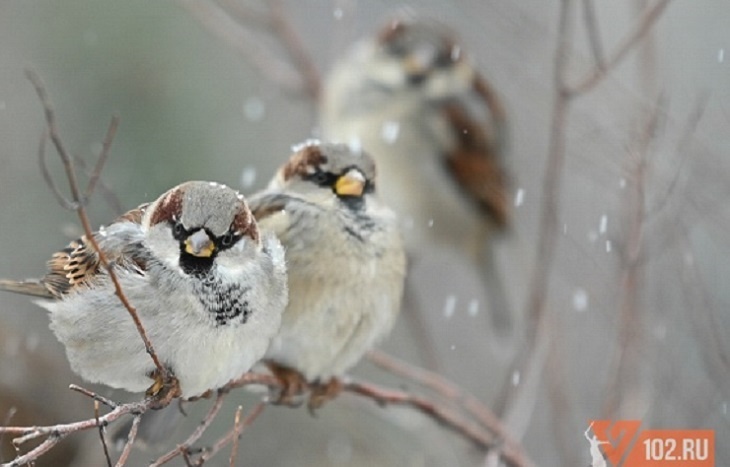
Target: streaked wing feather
<point x="266" y="204"/>
<point x="476" y="165"/>
<point x="78" y="263"/>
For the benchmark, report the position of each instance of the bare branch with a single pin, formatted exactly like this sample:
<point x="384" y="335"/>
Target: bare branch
<point x="111" y="198"/>
<point x="131" y="437"/>
<point x="236" y="434"/>
<point x="101" y="434"/>
<point x="232" y="434"/>
<point x="682" y="149"/>
<point x="594" y="34"/>
<point x="627" y="355"/>
<point x="643" y="26"/>
<point x="383" y="396"/>
<point x="450" y="391"/>
<point x="446" y="417"/>
<point x="217" y="21"/>
<point x="538" y="328"/>
<point x="103" y="155"/>
<point x="108" y="402"/>
<point x="293" y="44"/>
<point x="77" y="204"/>
<point x="195" y="435"/>
<point x="276" y="23"/>
<point x="9" y="416"/>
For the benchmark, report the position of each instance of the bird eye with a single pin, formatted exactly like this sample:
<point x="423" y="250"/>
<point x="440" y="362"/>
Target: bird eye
<point x="321" y="178"/>
<point x="178" y="231"/>
<point x="228" y="239"/>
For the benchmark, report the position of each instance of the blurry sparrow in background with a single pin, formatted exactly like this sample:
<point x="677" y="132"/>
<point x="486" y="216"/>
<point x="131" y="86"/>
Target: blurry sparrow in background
<point x="209" y="289"/>
<point x="413" y="98"/>
<point x="345" y="260"/>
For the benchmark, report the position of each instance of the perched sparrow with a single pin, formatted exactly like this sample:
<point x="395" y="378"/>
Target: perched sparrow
<point x="413" y="98"/>
<point x="208" y="288"/>
<point x="345" y="259"/>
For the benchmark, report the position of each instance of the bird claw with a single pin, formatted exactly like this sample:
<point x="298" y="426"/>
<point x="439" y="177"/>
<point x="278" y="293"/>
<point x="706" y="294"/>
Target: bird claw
<point x="293" y="385"/>
<point x="323" y="392"/>
<point x="164" y="389"/>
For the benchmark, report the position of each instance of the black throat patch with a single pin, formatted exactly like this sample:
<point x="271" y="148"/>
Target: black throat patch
<point x="226" y="301"/>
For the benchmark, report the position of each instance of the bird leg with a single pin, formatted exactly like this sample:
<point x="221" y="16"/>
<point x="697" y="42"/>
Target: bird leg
<point x="293" y="384"/>
<point x="323" y="392"/>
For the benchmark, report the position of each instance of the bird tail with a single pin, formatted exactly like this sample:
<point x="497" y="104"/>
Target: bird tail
<point x="29" y="287"/>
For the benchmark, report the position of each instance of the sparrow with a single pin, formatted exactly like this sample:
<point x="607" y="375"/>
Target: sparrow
<point x="413" y="97"/>
<point x="208" y="286"/>
<point x="345" y="257"/>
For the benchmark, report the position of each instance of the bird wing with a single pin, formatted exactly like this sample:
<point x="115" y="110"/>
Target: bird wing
<point x="476" y="163"/>
<point x="79" y="263"/>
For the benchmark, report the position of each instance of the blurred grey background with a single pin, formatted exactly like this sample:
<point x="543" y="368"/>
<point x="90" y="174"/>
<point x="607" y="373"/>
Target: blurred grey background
<point x="192" y="107"/>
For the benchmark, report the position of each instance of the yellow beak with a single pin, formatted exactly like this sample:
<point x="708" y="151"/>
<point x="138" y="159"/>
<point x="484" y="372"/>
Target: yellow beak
<point x="199" y="244"/>
<point x="351" y="183"/>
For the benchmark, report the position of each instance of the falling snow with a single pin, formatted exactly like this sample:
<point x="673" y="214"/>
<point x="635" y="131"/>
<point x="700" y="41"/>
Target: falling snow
<point x="520" y="197"/>
<point x="473" y="308"/>
<point x="608" y="246"/>
<point x="720" y="55"/>
<point x="355" y="145"/>
<point x="580" y="300"/>
<point x="603" y="224"/>
<point x="308" y="143"/>
<point x="592" y="236"/>
<point x="254" y="109"/>
<point x="430" y="223"/>
<point x="449" y="306"/>
<point x="337" y="13"/>
<point x="515" y="378"/>
<point x="102" y="231"/>
<point x="248" y="177"/>
<point x="389" y="132"/>
<point x="622" y="183"/>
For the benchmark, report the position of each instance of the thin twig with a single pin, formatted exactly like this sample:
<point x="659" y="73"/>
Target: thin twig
<point x="35" y="453"/>
<point x="278" y="25"/>
<point x="195" y="435"/>
<point x="445" y="417"/>
<point x="236" y="434"/>
<point x="56" y="433"/>
<point x="11" y="413"/>
<point x="108" y="402"/>
<point x="101" y="434"/>
<point x="232" y="434"/>
<point x="101" y="160"/>
<point x="450" y="391"/>
<point x="219" y="22"/>
<point x="383" y="396"/>
<point x="550" y="207"/>
<point x="594" y="34"/>
<point x="77" y="204"/>
<point x="131" y="437"/>
<point x="682" y="149"/>
<point x="627" y="355"/>
<point x="294" y="47"/>
<point x="111" y="198"/>
<point x="643" y="26"/>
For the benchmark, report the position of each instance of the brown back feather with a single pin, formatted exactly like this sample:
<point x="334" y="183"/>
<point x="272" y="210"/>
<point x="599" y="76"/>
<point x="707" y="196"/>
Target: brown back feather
<point x="476" y="165"/>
